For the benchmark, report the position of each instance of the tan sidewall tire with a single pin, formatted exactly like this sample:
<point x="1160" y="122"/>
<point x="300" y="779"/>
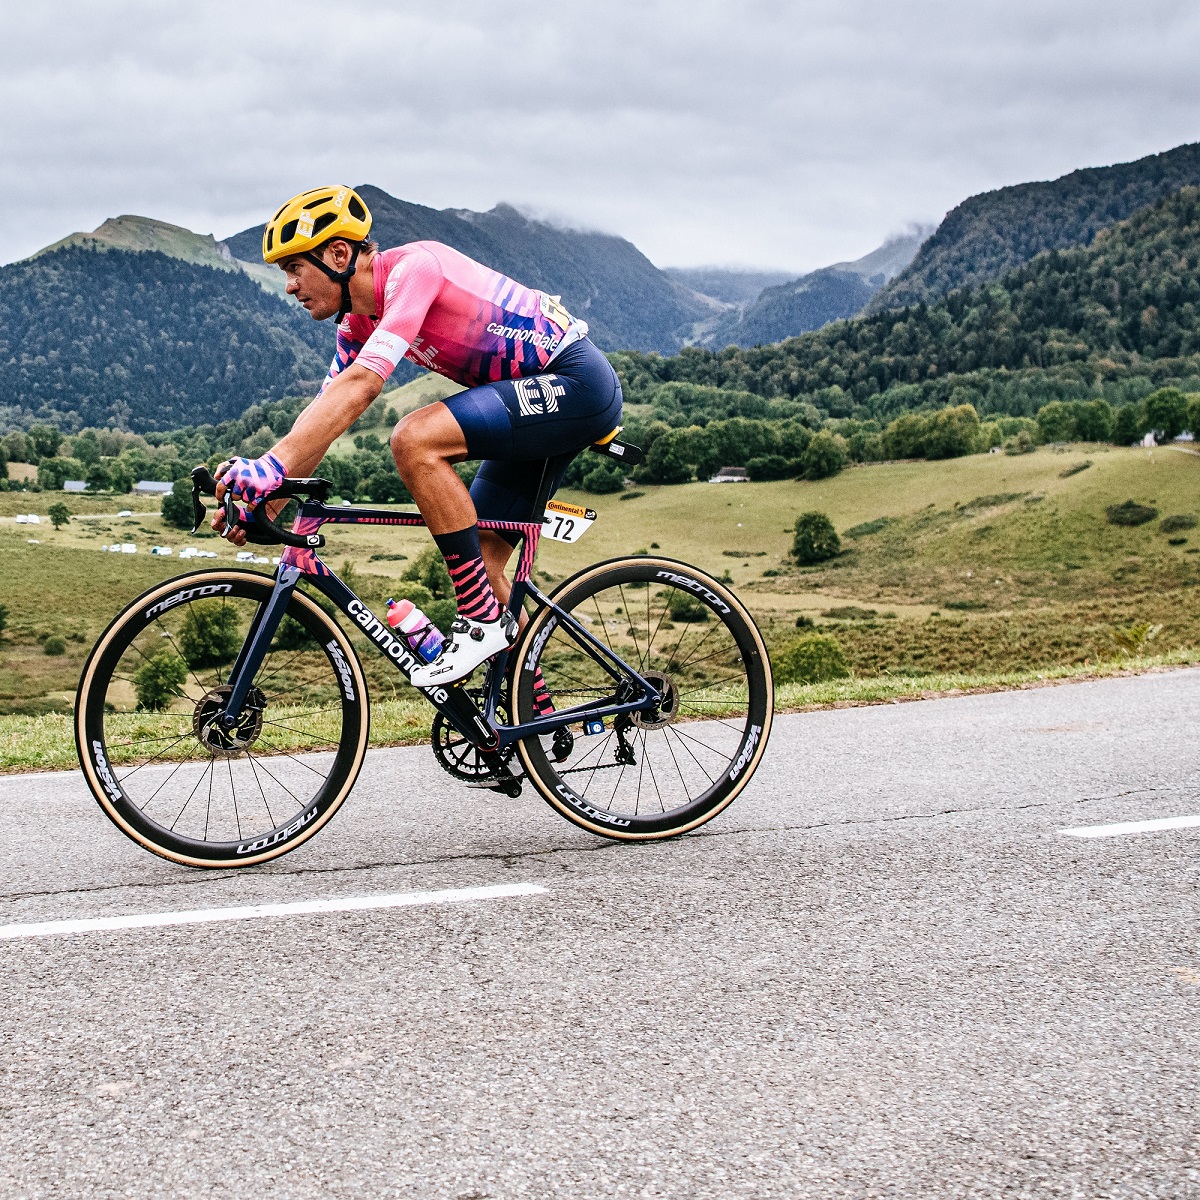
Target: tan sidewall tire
<point x="529" y="639"/>
<point x="96" y="784"/>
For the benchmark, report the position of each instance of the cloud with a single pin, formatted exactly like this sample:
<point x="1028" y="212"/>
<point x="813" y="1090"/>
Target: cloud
<point x="771" y="133"/>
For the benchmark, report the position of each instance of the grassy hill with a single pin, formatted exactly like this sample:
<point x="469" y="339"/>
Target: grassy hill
<point x="988" y="567"/>
<point x="626" y="300"/>
<point x="989" y="234"/>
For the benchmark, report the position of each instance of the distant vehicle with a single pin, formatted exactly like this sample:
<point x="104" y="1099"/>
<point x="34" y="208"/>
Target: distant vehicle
<point x="125" y="512"/>
<point x="161" y="550"/>
<point x="28" y="519"/>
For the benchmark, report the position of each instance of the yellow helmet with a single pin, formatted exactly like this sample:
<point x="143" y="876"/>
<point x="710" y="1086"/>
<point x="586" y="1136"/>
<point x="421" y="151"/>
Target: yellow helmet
<point x="308" y="220"/>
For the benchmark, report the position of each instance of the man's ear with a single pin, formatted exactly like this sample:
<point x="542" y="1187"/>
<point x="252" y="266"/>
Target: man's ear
<point x="339" y="251"/>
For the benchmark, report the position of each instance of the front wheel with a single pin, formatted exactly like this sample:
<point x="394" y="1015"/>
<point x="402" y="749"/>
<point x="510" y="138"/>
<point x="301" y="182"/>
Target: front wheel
<point x="648" y="775"/>
<point x="162" y="767"/>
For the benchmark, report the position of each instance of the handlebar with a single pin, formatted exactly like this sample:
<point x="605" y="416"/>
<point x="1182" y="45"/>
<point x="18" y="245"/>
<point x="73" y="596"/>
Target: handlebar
<point x="260" y="529"/>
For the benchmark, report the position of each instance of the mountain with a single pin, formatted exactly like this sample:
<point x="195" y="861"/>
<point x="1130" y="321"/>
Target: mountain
<point x="800" y="305"/>
<point x="144" y="340"/>
<point x="729" y="285"/>
<point x="994" y="232"/>
<point x="625" y="299"/>
<point x="144" y="233"/>
<point x="1117" y="318"/>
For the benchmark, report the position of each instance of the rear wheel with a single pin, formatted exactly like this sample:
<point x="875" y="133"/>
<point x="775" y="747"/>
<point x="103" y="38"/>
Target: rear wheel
<point x="651" y="775"/>
<point x="166" y="772"/>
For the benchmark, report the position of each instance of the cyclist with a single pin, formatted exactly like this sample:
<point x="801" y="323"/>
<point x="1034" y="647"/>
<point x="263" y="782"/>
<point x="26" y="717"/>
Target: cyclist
<point x="537" y="388"/>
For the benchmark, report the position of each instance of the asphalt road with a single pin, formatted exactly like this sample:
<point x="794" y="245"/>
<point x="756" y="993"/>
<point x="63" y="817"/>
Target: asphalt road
<point x="885" y="971"/>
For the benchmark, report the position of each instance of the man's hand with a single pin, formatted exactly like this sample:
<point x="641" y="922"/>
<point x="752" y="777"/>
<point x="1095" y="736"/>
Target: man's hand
<point x="248" y="480"/>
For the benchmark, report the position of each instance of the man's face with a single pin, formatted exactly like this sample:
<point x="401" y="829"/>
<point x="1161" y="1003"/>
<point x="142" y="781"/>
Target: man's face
<point x="311" y="286"/>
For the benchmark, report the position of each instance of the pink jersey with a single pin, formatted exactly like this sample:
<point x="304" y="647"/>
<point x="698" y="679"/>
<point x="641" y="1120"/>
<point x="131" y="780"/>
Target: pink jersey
<point x="446" y="312"/>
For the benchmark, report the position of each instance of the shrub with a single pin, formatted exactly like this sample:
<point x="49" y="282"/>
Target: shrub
<point x="868" y="527"/>
<point x="667" y="461"/>
<point x="1177" y="521"/>
<point x="812" y="659"/>
<point x="210" y="636"/>
<point x="3" y="617"/>
<point x="1022" y="443"/>
<point x="429" y="570"/>
<point x="159" y="680"/>
<point x="604" y="478"/>
<point x="1130" y="513"/>
<point x="684" y="607"/>
<point x="1132" y="639"/>
<point x="291" y="635"/>
<point x="54" y="645"/>
<point x="816" y="539"/>
<point x="770" y="466"/>
<point x="826" y="455"/>
<point x="177" y="505"/>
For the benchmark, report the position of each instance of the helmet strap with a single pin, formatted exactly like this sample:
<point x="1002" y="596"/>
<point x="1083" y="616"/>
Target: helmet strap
<point x="342" y="277"/>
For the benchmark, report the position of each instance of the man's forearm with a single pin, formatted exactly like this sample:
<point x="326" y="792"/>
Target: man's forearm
<point x="327" y="418"/>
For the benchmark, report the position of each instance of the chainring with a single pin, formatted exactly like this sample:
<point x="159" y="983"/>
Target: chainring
<point x="460" y="757"/>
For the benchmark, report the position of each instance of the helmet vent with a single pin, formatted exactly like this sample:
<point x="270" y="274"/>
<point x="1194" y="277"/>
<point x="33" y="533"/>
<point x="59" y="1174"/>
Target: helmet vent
<point x="323" y="222"/>
<point x="270" y="240"/>
<point x="356" y="210"/>
<point x="287" y="232"/>
<point x="314" y="203"/>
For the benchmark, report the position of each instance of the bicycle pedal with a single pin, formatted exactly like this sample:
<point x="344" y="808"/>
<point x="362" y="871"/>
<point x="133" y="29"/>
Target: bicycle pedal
<point x="506" y="787"/>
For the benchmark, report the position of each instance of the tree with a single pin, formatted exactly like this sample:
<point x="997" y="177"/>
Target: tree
<point x="1166" y="411"/>
<point x="46" y="440"/>
<point x="826" y="455"/>
<point x="177" y="505"/>
<point x="1129" y="425"/>
<point x="429" y="570"/>
<point x="905" y="436"/>
<point x="1194" y="414"/>
<point x="666" y="462"/>
<point x="59" y="514"/>
<point x="772" y="466"/>
<point x="159" y="680"/>
<point x="17" y="448"/>
<point x="813" y="658"/>
<point x="1056" y="421"/>
<point x="210" y="635"/>
<point x="119" y="479"/>
<point x="816" y="539"/>
<point x="54" y="472"/>
<point x="952" y="432"/>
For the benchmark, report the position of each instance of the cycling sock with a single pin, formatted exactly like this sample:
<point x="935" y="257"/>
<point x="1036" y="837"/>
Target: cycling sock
<point x="464" y="560"/>
<point x="543" y="706"/>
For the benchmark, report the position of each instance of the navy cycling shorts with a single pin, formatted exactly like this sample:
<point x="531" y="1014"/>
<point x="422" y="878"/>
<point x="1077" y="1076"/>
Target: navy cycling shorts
<point x="514" y="425"/>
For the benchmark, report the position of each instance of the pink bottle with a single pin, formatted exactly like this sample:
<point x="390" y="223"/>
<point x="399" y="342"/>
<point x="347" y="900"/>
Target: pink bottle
<point x="421" y="634"/>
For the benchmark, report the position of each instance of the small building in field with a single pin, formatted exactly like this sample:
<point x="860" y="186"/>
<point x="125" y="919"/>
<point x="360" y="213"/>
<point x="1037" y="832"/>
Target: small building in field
<point x="730" y="475"/>
<point x="151" y="487"/>
<point x="75" y="485"/>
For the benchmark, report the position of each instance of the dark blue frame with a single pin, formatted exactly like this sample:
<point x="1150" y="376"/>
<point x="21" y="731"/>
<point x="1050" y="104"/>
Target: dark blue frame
<point x="452" y="701"/>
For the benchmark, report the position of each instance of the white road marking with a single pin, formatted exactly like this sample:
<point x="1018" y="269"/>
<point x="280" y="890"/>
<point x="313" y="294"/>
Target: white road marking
<point x="248" y="912"/>
<point x="1096" y="831"/>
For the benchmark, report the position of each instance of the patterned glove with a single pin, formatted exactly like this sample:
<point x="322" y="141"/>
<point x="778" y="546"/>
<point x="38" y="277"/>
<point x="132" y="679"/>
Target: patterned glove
<point x="250" y="479"/>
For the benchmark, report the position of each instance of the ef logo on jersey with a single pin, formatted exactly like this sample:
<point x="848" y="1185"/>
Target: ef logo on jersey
<point x="538" y="395"/>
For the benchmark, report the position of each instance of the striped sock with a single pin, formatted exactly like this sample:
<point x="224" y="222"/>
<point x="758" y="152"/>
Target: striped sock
<point x="543" y="706"/>
<point x="464" y="561"/>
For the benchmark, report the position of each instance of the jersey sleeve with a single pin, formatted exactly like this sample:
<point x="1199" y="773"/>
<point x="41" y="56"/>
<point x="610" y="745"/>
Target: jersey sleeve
<point x="411" y="288"/>
<point x="347" y="349"/>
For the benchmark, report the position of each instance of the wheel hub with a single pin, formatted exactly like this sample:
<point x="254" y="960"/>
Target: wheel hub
<point x="666" y="710"/>
<point x="206" y="721"/>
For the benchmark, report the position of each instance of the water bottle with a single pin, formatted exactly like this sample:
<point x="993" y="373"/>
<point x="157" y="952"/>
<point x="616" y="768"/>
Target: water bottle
<point x="422" y="635"/>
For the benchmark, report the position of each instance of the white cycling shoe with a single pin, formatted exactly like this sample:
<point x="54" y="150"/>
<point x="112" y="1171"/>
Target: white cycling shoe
<point x="471" y="643"/>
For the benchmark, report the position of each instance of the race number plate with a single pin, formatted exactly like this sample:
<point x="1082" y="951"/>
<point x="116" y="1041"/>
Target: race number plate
<point x="566" y="522"/>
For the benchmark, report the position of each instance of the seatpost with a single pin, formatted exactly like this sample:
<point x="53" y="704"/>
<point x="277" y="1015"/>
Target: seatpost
<point x="543" y="493"/>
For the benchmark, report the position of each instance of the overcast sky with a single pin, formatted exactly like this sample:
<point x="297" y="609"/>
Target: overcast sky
<point x="781" y="135"/>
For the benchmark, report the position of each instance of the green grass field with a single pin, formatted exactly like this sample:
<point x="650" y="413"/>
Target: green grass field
<point x="988" y="568"/>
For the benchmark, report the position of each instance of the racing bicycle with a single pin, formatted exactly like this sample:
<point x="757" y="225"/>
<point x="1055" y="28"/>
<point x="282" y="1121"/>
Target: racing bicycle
<point x="223" y="716"/>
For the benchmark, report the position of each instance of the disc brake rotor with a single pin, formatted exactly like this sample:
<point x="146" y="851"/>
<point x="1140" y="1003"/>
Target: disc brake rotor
<point x="206" y="724"/>
<point x="667" y="709"/>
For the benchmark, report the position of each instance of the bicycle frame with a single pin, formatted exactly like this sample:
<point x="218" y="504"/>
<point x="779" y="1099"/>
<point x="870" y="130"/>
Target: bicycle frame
<point x="451" y="700"/>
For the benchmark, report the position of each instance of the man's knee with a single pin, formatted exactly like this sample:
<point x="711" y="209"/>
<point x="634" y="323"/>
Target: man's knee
<point x="426" y="436"/>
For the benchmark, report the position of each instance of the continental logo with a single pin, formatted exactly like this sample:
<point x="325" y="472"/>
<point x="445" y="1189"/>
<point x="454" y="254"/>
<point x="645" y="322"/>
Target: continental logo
<point x="105" y="773"/>
<point x="280" y="835"/>
<point x="694" y="585"/>
<point x="207" y="589"/>
<point x="747" y="752"/>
